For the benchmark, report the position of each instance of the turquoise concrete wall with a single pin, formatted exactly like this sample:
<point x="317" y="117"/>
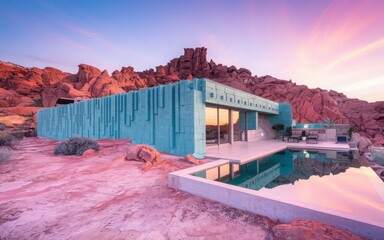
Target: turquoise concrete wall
<point x="284" y="117"/>
<point x="170" y="118"/>
<point x="242" y="119"/>
<point x="252" y="120"/>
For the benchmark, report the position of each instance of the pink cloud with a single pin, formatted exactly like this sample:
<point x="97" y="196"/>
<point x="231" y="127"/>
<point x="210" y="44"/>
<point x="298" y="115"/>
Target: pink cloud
<point x="344" y="47"/>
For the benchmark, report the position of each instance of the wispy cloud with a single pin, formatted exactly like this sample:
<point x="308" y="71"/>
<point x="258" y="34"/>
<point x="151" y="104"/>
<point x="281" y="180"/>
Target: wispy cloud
<point x="357" y="53"/>
<point x="81" y="30"/>
<point x="343" y="46"/>
<point x="78" y="29"/>
<point x="51" y="61"/>
<point x="371" y="83"/>
<point x="339" y="24"/>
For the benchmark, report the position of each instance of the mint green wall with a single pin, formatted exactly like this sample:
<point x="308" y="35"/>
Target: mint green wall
<point x="169" y="117"/>
<point x="252" y="120"/>
<point x="284" y="117"/>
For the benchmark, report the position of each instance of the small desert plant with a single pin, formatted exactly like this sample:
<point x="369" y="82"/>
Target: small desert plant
<point x="329" y="122"/>
<point x="288" y="131"/>
<point x="38" y="102"/>
<point x="350" y="131"/>
<point x="2" y="127"/>
<point x="18" y="135"/>
<point x="30" y="133"/>
<point x="76" y="146"/>
<point x="8" y="140"/>
<point x="5" y="154"/>
<point x="278" y="128"/>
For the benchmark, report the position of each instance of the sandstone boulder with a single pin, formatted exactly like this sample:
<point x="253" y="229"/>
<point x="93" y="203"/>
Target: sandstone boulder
<point x="88" y="152"/>
<point x="191" y="159"/>
<point x="363" y="144"/>
<point x="143" y="153"/>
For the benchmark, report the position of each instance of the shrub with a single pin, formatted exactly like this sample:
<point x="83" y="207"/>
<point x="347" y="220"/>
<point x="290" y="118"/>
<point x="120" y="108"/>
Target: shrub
<point x="76" y="146"/>
<point x="8" y="141"/>
<point x="329" y="122"/>
<point x="38" y="102"/>
<point x="278" y="128"/>
<point x="351" y="130"/>
<point x="288" y="131"/>
<point x="2" y="127"/>
<point x="30" y="133"/>
<point x="5" y="154"/>
<point x="18" y="135"/>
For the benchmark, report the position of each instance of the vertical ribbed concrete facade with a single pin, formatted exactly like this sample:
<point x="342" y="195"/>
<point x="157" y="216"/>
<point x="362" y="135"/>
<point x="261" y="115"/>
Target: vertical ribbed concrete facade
<point x="170" y="117"/>
<point x="167" y="117"/>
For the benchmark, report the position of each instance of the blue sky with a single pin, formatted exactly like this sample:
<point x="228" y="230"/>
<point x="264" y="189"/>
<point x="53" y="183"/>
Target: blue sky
<point x="329" y="44"/>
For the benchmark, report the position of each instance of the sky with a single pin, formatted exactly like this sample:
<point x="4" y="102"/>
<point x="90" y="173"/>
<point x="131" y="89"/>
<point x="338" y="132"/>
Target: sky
<point x="336" y="45"/>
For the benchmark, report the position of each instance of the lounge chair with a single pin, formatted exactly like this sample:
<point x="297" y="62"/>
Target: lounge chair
<point x="341" y="139"/>
<point x="312" y="138"/>
<point x="294" y="137"/>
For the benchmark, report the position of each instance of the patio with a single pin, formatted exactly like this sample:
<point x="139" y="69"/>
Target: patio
<point x="242" y="152"/>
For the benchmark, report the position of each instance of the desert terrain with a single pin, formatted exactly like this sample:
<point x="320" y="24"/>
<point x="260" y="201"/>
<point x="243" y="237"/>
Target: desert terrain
<point x="101" y="195"/>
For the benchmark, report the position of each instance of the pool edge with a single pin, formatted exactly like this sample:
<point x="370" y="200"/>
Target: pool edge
<point x="248" y="200"/>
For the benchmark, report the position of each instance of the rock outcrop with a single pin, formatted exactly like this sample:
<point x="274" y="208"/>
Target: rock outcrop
<point x="21" y="86"/>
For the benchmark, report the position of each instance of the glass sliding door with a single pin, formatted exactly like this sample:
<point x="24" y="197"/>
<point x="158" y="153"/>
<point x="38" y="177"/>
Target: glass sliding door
<point x="238" y="126"/>
<point x="224" y="125"/>
<point x="221" y="128"/>
<point x="211" y="125"/>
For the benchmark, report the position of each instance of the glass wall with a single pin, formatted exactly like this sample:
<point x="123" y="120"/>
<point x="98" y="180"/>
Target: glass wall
<point x="224" y="125"/>
<point x="221" y="128"/>
<point x="238" y="127"/>
<point x="211" y="125"/>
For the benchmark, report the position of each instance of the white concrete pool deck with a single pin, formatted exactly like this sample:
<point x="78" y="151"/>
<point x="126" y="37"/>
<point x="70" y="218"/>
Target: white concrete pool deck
<point x="242" y="152"/>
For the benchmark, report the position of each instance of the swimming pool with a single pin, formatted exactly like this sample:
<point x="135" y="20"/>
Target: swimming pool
<point x="321" y="185"/>
<point x="284" y="167"/>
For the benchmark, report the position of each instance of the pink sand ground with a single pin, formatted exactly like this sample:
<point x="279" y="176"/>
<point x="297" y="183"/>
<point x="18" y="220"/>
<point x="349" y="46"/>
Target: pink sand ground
<point x="101" y="196"/>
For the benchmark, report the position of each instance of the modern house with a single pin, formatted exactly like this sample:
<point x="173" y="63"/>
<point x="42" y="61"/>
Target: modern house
<point x="179" y="118"/>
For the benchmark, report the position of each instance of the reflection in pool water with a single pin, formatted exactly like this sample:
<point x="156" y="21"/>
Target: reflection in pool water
<point x="310" y="182"/>
<point x="281" y="168"/>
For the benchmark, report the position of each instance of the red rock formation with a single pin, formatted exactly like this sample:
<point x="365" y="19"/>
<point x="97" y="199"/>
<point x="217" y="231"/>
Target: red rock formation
<point x="308" y="105"/>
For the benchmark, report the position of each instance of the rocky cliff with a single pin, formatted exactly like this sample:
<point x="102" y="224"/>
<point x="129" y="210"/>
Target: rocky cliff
<point x="21" y="86"/>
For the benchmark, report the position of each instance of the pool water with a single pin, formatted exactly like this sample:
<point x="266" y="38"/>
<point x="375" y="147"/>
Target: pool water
<point x="285" y="167"/>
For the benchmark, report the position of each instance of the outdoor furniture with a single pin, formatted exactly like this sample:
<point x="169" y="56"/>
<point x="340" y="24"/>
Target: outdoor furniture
<point x="341" y="139"/>
<point x="312" y="138"/>
<point x="294" y="138"/>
